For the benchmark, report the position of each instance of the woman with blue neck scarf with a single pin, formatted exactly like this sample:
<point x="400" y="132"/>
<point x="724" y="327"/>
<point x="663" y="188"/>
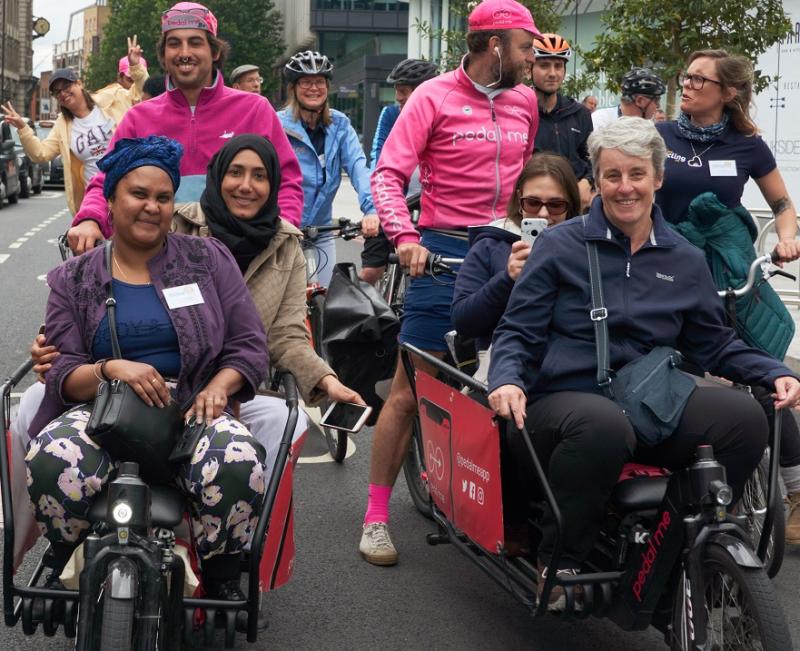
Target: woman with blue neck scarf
<point x="714" y="147"/>
<point x="186" y="323"/>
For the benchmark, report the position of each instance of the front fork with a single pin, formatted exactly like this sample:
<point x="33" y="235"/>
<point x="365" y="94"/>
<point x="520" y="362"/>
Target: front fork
<point x="692" y="586"/>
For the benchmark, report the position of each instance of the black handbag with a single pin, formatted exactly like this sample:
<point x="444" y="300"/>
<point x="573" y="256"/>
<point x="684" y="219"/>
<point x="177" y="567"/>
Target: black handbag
<point x="124" y="425"/>
<point x="651" y="390"/>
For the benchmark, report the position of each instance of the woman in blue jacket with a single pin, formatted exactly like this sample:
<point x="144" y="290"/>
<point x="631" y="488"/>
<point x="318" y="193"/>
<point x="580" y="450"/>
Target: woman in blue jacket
<point x="658" y="291"/>
<point x="325" y="143"/>
<point x="546" y="188"/>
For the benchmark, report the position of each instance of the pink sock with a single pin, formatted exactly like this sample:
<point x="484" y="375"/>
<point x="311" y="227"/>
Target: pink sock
<point x="378" y="504"/>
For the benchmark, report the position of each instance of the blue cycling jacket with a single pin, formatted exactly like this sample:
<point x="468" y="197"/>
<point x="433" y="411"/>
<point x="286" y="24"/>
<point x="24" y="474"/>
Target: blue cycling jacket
<point x="386" y="121"/>
<point x="342" y="151"/>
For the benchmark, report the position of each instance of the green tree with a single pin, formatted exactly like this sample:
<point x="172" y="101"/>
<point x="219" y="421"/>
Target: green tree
<point x="128" y="17"/>
<point x="661" y="34"/>
<point x="254" y="28"/>
<point x="454" y="40"/>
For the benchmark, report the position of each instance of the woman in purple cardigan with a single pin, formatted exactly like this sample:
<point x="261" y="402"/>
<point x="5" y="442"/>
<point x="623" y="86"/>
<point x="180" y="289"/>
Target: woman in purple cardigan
<point x="183" y="314"/>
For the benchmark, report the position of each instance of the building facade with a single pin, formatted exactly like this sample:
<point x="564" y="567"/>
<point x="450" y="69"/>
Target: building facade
<point x="16" y="52"/>
<point x="363" y="38"/>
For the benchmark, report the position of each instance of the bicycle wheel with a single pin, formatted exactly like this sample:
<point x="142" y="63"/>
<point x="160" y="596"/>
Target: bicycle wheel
<point x="754" y="505"/>
<point x="336" y="440"/>
<point x="741" y="606"/>
<point x="415" y="474"/>
<point x="116" y="626"/>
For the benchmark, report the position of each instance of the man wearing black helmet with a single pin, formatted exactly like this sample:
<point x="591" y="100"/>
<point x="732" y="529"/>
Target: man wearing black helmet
<point x="641" y="94"/>
<point x="406" y="76"/>
<point x="564" y="124"/>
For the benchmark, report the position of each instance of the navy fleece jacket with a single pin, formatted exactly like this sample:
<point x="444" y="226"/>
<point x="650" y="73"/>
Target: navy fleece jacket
<point x="483" y="285"/>
<point x="663" y="295"/>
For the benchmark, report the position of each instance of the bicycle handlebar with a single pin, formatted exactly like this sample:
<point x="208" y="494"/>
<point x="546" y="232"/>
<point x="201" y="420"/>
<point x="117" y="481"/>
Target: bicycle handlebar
<point x="346" y="230"/>
<point x="769" y="258"/>
<point x="435" y="263"/>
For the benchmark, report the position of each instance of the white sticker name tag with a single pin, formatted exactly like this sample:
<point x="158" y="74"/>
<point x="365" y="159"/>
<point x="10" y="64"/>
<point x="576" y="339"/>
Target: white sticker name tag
<point x="722" y="167"/>
<point x="183" y="296"/>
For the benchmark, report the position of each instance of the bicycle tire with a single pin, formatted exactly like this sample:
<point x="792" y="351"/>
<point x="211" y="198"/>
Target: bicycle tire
<point x="336" y="440"/>
<point x="750" y="597"/>
<point x="116" y="627"/>
<point x="753" y="504"/>
<point x="415" y="474"/>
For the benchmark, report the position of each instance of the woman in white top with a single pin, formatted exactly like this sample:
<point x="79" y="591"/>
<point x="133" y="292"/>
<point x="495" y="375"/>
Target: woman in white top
<point x="83" y="128"/>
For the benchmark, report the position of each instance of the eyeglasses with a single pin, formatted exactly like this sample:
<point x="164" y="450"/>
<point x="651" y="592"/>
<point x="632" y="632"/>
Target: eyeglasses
<point x="55" y="92"/>
<point x="696" y="82"/>
<point x="533" y="205"/>
<point x="306" y="82"/>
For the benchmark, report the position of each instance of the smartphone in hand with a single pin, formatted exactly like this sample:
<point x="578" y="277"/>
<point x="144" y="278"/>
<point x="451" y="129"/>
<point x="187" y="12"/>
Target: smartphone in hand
<point x="531" y="227"/>
<point x="346" y="416"/>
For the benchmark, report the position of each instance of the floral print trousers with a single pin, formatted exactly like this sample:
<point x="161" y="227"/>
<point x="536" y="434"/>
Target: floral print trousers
<point x="224" y="482"/>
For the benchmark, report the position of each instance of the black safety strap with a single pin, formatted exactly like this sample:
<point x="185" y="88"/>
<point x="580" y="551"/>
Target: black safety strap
<point x="111" y="305"/>
<point x="598" y="315"/>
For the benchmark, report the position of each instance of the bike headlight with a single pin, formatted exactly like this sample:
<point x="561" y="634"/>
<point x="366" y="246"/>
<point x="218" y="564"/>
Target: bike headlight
<point x="122" y="513"/>
<point x="723" y="493"/>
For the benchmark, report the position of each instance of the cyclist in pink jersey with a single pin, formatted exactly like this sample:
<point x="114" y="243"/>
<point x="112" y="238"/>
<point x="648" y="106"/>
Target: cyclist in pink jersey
<point x="470" y="131"/>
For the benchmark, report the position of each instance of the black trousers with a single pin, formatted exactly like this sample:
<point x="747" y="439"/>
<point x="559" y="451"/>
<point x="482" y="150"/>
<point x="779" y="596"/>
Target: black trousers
<point x="584" y="439"/>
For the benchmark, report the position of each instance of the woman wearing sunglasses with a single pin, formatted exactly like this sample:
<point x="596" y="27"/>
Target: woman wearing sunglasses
<point x="547" y="189"/>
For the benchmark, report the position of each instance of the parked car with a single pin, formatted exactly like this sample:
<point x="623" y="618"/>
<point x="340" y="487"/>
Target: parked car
<point x="9" y="167"/>
<point x="54" y="176"/>
<point x="31" y="175"/>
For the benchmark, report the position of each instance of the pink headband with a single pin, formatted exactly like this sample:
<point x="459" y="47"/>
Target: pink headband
<point x="188" y="15"/>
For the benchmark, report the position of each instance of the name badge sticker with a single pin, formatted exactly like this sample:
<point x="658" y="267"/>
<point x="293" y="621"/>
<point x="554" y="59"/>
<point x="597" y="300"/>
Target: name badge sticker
<point x="183" y="296"/>
<point x="722" y="167"/>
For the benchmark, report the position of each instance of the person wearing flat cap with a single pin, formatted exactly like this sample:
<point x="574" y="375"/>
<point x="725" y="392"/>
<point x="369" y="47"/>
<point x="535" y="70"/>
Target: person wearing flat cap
<point x="247" y="78"/>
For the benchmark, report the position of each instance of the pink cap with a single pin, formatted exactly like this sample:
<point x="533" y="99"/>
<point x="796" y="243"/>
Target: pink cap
<point x="501" y="14"/>
<point x="188" y="15"/>
<point x="125" y="67"/>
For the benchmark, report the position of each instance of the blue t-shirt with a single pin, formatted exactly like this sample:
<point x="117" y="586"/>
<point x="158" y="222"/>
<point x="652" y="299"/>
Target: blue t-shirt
<point x="144" y="330"/>
<point x="682" y="183"/>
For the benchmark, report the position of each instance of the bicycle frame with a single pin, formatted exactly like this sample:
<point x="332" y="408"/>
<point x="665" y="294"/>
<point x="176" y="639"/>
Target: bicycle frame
<point x="686" y="522"/>
<point x="143" y="548"/>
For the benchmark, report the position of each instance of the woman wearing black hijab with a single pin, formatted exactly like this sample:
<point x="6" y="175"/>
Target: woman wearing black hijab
<point x="240" y="208"/>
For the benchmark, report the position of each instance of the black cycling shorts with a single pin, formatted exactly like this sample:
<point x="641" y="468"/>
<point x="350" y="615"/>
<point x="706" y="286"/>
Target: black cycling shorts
<point x="376" y="251"/>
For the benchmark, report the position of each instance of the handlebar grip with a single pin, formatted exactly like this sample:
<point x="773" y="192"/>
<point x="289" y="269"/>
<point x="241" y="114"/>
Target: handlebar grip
<point x="774" y="255"/>
<point x="393" y="258"/>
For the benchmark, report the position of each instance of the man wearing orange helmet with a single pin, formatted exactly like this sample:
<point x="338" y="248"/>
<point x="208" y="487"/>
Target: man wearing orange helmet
<point x="564" y="124"/>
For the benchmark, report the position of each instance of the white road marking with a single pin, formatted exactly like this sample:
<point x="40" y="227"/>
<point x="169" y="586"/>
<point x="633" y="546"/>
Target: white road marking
<point x="4" y="257"/>
<point x="327" y="458"/>
<point x="43" y="277"/>
<point x="15" y="245"/>
<point x="30" y="234"/>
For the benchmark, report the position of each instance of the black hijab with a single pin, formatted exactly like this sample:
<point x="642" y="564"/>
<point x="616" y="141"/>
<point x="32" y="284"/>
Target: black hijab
<point x="245" y="238"/>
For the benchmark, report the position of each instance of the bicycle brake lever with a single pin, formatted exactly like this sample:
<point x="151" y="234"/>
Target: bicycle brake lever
<point x="781" y="272"/>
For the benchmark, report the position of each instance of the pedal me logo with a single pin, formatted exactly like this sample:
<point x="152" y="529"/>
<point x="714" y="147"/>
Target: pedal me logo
<point x="489" y="135"/>
<point x="650" y="555"/>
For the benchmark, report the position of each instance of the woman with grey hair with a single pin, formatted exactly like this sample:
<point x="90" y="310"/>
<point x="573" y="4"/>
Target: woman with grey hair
<point x="658" y="291"/>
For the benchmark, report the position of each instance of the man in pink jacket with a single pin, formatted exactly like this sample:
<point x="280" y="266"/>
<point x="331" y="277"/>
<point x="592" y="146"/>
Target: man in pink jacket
<point x="198" y="111"/>
<point x="470" y="131"/>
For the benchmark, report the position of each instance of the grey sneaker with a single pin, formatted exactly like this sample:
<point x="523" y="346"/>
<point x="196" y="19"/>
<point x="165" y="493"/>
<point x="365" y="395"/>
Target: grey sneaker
<point x="376" y="547"/>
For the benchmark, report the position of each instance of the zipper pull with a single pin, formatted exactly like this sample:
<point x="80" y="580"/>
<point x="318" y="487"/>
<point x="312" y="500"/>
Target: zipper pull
<point x="491" y="106"/>
<point x="628" y="269"/>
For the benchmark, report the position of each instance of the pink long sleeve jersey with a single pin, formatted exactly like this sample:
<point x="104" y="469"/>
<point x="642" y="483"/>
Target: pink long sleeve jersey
<point x="220" y="114"/>
<point x="470" y="146"/>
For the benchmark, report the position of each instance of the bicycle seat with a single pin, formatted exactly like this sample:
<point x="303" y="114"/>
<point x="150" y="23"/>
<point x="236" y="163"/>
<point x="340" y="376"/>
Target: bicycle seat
<point x="639" y="493"/>
<point x="167" y="505"/>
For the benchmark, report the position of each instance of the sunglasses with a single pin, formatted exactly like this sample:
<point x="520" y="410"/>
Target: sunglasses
<point x="533" y="205"/>
<point x="55" y="92"/>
